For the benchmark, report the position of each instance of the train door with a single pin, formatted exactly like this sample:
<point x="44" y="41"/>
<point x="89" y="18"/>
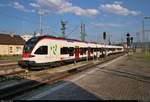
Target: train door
<point x="77" y="52"/>
<point x="103" y="52"/>
<point x="89" y="52"/>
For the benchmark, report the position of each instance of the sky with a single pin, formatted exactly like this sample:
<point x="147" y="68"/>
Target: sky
<point x="116" y="17"/>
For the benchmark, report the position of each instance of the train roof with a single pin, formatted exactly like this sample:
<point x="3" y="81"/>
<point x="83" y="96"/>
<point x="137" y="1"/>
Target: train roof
<point x="69" y="40"/>
<point x="60" y="38"/>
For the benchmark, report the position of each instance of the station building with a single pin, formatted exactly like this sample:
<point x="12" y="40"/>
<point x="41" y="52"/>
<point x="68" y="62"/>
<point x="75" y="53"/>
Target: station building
<point x="11" y="44"/>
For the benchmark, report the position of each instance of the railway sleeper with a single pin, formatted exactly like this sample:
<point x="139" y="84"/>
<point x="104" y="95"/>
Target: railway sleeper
<point x="12" y="76"/>
<point x="74" y="70"/>
<point x="7" y="78"/>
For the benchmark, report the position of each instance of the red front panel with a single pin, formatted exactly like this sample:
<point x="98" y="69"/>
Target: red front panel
<point x="26" y="54"/>
<point x="89" y="52"/>
<point x="77" y="53"/>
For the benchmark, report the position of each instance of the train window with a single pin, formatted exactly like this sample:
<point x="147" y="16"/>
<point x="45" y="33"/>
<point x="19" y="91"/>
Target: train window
<point x="10" y="50"/>
<point x="71" y="51"/>
<point x="43" y="50"/>
<point x="83" y="51"/>
<point x="95" y="49"/>
<point x="64" y="50"/>
<point x="30" y="44"/>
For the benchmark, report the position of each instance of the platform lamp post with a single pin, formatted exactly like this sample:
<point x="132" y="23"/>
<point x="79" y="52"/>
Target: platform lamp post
<point x="145" y="45"/>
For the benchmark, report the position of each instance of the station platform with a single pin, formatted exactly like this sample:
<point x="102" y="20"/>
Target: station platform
<point x="125" y="78"/>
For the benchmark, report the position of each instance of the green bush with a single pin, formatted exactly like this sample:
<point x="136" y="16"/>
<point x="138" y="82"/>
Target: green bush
<point x="10" y="57"/>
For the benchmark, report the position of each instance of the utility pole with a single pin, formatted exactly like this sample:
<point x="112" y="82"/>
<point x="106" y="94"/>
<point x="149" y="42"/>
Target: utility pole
<point x="63" y="28"/>
<point x="41" y="13"/>
<point x="137" y="40"/>
<point x="83" y="34"/>
<point x="143" y="32"/>
<point x="146" y="45"/>
<point x="138" y="37"/>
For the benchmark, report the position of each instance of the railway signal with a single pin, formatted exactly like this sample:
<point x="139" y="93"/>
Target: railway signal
<point x="131" y="43"/>
<point x="104" y="35"/>
<point x="104" y="38"/>
<point x="131" y="40"/>
<point x="128" y="39"/>
<point x="63" y="28"/>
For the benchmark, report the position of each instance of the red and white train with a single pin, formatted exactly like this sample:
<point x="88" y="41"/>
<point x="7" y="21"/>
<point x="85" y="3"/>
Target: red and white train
<point x="44" y="51"/>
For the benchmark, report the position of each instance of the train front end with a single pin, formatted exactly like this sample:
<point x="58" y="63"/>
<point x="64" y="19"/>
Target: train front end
<point x="26" y="61"/>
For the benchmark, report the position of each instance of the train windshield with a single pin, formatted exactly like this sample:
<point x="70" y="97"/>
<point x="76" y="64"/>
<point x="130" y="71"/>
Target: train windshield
<point x="30" y="44"/>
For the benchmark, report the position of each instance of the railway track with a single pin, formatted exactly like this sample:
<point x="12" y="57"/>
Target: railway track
<point x="48" y="78"/>
<point x="10" y="72"/>
<point x="9" y="68"/>
<point x="127" y="74"/>
<point x="8" y="64"/>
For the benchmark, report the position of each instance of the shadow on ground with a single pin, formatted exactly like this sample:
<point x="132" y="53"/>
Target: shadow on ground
<point x="63" y="90"/>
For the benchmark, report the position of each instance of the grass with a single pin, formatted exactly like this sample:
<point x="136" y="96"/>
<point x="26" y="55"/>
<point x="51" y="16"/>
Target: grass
<point x="11" y="57"/>
<point x="144" y="55"/>
<point x="140" y="59"/>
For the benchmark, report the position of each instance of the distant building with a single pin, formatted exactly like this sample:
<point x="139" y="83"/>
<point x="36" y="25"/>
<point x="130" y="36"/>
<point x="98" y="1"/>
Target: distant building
<point x="26" y="37"/>
<point x="11" y="44"/>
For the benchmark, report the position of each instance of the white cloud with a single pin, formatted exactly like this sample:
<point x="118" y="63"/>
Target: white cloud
<point x="118" y="2"/>
<point x="106" y="25"/>
<point x="43" y="11"/>
<point x="39" y="9"/>
<point x="117" y="8"/>
<point x="64" y="6"/>
<point x="35" y="5"/>
<point x="20" y="7"/>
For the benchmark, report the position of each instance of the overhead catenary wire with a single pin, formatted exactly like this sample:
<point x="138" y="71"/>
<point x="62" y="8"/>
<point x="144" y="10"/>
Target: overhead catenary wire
<point x="23" y="19"/>
<point x="73" y="30"/>
<point x="36" y="22"/>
